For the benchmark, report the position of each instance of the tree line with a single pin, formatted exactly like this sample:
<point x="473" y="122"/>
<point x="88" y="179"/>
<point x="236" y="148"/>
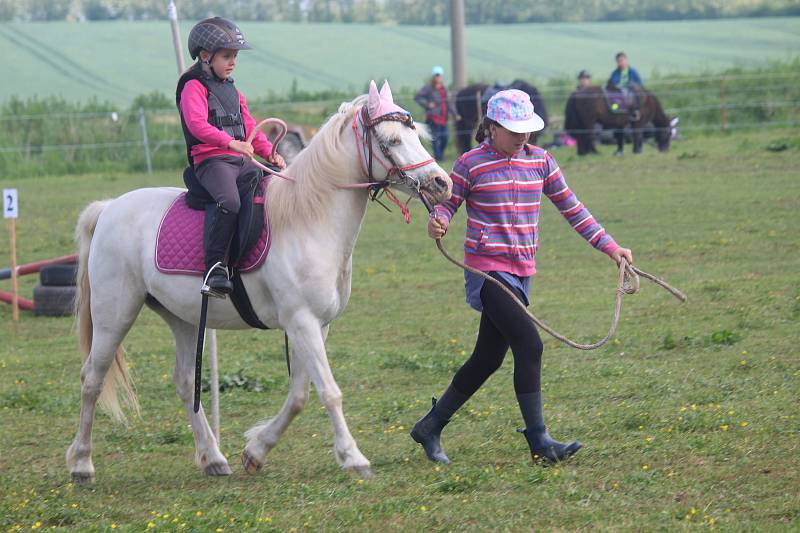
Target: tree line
<point x="423" y="12"/>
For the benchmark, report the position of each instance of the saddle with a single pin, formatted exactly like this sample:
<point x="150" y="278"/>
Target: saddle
<point x="621" y="100"/>
<point x="249" y="228"/>
<point x="181" y="234"/>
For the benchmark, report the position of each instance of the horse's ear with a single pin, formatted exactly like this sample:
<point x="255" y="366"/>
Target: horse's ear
<point x="374" y="100"/>
<point x="386" y="92"/>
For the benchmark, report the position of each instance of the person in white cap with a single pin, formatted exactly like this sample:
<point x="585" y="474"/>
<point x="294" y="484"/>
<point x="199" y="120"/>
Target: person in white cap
<point x="434" y="99"/>
<point x="502" y="182"/>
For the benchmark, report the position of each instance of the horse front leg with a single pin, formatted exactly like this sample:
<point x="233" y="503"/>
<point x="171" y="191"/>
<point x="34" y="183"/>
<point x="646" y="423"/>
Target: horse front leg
<point x="637" y="139"/>
<point x="619" y="135"/>
<point x="262" y="437"/>
<point x="207" y="453"/>
<point x="307" y="337"/>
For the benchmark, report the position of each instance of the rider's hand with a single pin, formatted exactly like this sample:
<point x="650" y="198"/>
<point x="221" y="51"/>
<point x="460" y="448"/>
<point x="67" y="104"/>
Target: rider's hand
<point x="620" y="252"/>
<point x="244" y="148"/>
<point x="437" y="227"/>
<point x="277" y="160"/>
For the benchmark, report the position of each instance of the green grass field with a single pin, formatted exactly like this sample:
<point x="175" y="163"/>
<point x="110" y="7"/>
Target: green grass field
<point x="116" y="61"/>
<point x="689" y="417"/>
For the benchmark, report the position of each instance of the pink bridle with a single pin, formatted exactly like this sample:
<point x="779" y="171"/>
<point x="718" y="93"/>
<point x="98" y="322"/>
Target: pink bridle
<point x="362" y="130"/>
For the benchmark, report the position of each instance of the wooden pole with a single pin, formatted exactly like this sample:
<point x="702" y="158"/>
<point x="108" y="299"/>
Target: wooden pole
<point x="172" y="13"/>
<point x="14" y="284"/>
<point x="723" y="113"/>
<point x="457" y="44"/>
<point x="213" y="368"/>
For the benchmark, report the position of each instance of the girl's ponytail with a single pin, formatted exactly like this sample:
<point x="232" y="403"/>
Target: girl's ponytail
<point x="483" y="129"/>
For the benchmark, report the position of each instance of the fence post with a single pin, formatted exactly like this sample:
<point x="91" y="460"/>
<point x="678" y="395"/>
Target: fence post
<point x="143" y="126"/>
<point x="723" y="113"/>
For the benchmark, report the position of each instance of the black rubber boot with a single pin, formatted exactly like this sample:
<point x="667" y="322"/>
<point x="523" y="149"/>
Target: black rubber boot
<point x="544" y="448"/>
<point x="428" y="430"/>
<point x="541" y="444"/>
<point x="217" y="244"/>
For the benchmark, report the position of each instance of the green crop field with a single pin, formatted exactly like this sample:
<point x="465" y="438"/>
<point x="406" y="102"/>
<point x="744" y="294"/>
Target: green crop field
<point x="689" y="417"/>
<point x="117" y="61"/>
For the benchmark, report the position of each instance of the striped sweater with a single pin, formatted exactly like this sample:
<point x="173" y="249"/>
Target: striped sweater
<point x="503" y="196"/>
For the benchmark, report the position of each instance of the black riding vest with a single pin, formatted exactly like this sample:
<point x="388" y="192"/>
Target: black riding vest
<point x="224" y="110"/>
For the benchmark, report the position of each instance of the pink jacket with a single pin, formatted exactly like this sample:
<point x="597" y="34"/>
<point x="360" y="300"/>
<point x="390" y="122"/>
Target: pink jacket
<point x="194" y="107"/>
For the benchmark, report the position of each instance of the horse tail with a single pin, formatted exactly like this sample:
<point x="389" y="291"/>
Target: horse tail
<point x="118" y="382"/>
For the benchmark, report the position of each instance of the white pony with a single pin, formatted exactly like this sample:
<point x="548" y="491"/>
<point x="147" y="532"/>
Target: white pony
<point x="303" y="285"/>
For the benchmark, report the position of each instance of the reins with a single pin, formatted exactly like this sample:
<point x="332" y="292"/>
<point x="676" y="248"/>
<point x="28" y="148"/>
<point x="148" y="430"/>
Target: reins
<point x="627" y="283"/>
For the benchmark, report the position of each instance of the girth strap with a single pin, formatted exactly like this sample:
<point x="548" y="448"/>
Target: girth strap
<point x="241" y="301"/>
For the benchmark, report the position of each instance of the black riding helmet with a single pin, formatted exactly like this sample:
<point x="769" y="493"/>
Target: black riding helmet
<point x="214" y="34"/>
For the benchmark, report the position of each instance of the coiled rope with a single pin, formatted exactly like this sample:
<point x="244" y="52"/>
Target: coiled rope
<point x="628" y="283"/>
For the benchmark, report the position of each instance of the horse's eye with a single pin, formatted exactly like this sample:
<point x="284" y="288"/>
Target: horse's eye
<point x="395" y="141"/>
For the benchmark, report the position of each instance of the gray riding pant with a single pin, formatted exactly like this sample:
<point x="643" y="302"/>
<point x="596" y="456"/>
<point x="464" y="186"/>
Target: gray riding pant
<point x="226" y="177"/>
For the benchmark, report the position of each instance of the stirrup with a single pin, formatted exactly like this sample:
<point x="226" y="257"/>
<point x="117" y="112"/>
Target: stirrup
<point x="210" y="291"/>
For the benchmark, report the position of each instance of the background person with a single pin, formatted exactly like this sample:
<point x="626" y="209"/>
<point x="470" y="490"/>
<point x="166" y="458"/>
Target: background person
<point x="434" y="99"/>
<point x="502" y="181"/>
<point x="584" y="79"/>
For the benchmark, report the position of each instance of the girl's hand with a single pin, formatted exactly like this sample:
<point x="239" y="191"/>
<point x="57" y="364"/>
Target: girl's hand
<point x="437" y="227"/>
<point x="244" y="148"/>
<point x="620" y="252"/>
<point x="277" y="160"/>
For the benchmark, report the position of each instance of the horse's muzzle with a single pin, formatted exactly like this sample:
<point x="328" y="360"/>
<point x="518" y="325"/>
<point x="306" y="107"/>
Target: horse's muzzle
<point x="438" y="186"/>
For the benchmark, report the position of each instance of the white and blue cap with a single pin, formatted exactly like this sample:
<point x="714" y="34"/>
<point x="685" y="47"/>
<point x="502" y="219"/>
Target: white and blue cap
<point x="513" y="110"/>
<point x="437" y="71"/>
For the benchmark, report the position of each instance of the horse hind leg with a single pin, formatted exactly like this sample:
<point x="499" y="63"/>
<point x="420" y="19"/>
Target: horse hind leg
<point x="106" y="341"/>
<point x="265" y="435"/>
<point x="207" y="453"/>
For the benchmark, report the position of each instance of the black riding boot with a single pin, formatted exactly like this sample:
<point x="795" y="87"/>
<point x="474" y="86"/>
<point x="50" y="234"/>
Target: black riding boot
<point x="218" y="241"/>
<point x="428" y="430"/>
<point x="541" y="444"/>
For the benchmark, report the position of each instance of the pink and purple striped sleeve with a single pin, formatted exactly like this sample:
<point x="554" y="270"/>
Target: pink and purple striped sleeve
<point x="461" y="184"/>
<point x="572" y="209"/>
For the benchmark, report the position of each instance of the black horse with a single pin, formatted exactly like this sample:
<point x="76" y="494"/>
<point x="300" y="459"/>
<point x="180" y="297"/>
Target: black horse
<point x="589" y="106"/>
<point x="471" y="106"/>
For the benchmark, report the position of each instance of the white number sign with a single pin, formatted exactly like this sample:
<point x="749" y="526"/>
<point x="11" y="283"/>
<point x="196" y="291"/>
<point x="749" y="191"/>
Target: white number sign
<point x="10" y="204"/>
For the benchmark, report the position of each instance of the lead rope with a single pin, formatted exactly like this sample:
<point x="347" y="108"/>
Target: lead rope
<point x="628" y="283"/>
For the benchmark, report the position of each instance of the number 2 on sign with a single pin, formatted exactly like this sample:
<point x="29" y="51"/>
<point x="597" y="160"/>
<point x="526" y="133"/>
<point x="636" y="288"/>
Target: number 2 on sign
<point x="10" y="203"/>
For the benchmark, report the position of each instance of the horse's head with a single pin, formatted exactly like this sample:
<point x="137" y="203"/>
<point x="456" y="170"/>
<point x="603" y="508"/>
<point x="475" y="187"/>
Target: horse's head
<point x="397" y="152"/>
<point x="665" y="134"/>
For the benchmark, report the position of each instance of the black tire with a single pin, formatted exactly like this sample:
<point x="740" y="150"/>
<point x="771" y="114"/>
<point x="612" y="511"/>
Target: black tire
<point x="58" y="275"/>
<point x="53" y="301"/>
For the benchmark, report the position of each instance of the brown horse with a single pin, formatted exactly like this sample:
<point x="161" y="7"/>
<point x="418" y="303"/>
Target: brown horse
<point x="471" y="106"/>
<point x="587" y="107"/>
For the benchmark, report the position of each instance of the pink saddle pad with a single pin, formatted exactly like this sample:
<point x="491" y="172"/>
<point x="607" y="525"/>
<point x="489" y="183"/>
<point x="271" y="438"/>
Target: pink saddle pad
<point x="179" y="244"/>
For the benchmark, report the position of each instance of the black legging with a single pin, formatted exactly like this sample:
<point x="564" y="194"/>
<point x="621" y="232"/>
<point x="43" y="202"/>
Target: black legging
<point x="503" y="324"/>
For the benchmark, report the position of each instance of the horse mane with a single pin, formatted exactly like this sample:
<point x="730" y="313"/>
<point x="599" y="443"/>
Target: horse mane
<point x="317" y="171"/>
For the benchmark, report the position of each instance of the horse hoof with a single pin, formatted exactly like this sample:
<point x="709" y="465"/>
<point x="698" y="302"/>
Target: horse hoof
<point x="363" y="472"/>
<point x="251" y="464"/>
<point x="218" y="469"/>
<point x="82" y="478"/>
